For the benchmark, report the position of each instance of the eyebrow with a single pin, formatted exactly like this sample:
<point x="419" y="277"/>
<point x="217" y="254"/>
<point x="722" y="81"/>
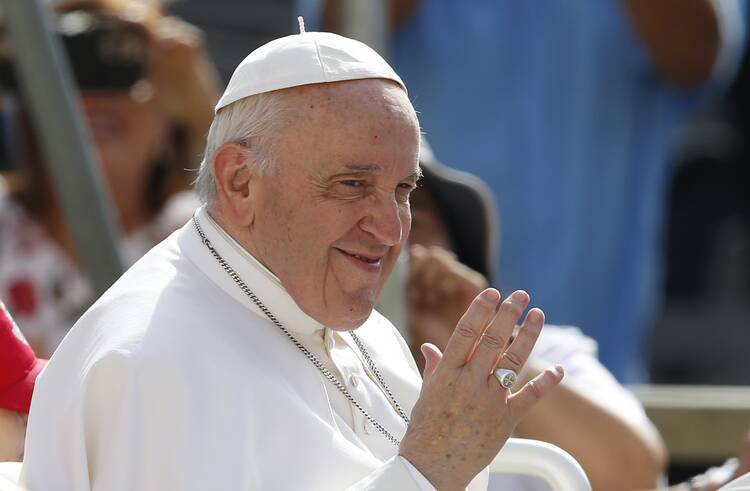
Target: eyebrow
<point x="364" y="167"/>
<point x="358" y="167"/>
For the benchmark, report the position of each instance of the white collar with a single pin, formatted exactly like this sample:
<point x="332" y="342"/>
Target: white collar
<point x="262" y="282"/>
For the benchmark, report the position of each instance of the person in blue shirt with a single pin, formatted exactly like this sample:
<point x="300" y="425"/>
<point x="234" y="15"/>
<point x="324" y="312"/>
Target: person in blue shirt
<point x="569" y="111"/>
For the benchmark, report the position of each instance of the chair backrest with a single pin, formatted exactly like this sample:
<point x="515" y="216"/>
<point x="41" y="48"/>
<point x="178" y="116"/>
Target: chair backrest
<point x="742" y="483"/>
<point x="553" y="465"/>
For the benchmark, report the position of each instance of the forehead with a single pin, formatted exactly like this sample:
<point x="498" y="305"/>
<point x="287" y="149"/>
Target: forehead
<point x="351" y="91"/>
<point x="363" y="125"/>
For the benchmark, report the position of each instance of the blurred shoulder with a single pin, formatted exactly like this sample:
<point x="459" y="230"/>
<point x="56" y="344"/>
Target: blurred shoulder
<point x="560" y="342"/>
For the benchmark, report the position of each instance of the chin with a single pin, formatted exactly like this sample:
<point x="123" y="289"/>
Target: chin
<point x="351" y="322"/>
<point x="353" y="314"/>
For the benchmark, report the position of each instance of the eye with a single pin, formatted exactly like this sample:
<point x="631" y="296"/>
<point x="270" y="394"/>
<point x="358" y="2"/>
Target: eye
<point x="349" y="189"/>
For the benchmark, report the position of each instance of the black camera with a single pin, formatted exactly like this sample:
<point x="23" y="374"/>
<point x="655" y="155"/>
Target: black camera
<point x="105" y="53"/>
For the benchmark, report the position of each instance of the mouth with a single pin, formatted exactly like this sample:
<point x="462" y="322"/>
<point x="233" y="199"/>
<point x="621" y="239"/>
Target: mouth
<point x="365" y="261"/>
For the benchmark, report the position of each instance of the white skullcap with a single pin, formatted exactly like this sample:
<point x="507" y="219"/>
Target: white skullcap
<point x="305" y="58"/>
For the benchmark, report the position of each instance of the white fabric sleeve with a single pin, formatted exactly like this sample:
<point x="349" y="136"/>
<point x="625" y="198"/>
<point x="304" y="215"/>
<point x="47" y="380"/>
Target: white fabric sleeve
<point x="577" y="353"/>
<point x="422" y="481"/>
<point x="396" y="473"/>
<point x="399" y="473"/>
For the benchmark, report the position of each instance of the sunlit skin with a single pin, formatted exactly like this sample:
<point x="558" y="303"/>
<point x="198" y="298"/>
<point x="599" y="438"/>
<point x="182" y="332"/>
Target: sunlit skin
<point x="12" y="434"/>
<point x="330" y="221"/>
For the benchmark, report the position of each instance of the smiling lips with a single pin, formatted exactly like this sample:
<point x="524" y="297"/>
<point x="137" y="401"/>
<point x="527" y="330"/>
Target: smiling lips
<point x="368" y="262"/>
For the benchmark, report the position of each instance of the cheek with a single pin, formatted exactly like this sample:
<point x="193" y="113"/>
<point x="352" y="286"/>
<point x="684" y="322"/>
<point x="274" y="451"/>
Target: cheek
<point x="289" y="232"/>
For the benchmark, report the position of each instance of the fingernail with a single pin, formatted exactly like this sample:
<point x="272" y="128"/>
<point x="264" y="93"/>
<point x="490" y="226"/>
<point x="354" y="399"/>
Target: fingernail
<point x="560" y="370"/>
<point x="491" y="295"/>
<point x="536" y="316"/>
<point x="519" y="298"/>
<point x="423" y="349"/>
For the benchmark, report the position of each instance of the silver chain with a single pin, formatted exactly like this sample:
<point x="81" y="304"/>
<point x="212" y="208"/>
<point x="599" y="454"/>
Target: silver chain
<point x="376" y="372"/>
<point x="310" y="356"/>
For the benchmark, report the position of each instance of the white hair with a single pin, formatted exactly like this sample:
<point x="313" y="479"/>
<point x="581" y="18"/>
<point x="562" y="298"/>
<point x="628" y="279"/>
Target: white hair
<point x="253" y="122"/>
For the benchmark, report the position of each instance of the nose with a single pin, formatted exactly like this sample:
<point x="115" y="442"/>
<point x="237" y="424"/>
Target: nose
<point x="384" y="220"/>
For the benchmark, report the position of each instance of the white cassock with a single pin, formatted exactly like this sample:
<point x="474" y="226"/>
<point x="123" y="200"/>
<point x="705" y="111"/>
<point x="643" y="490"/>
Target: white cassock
<point x="174" y="380"/>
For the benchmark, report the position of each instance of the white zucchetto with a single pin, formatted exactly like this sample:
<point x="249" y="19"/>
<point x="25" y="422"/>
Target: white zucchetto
<point x="302" y="59"/>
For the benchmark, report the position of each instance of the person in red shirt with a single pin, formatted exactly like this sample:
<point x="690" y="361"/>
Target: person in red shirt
<point x="19" y="368"/>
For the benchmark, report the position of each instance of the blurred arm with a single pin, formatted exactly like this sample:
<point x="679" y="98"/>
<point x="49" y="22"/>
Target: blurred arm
<point x="682" y="37"/>
<point x="616" y="454"/>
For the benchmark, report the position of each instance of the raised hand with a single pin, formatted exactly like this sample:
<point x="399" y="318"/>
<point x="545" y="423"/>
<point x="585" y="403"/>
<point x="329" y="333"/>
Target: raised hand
<point x="464" y="416"/>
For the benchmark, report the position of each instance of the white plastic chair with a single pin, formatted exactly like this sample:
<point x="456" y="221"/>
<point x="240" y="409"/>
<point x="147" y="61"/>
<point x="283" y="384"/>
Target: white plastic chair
<point x="552" y="464"/>
<point x="742" y="483"/>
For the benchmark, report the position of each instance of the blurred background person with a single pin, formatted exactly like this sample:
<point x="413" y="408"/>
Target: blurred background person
<point x="568" y="111"/>
<point x="147" y="93"/>
<point x="590" y="415"/>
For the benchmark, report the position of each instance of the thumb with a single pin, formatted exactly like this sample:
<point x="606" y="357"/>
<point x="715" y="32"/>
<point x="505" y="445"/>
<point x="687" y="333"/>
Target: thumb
<point x="432" y="357"/>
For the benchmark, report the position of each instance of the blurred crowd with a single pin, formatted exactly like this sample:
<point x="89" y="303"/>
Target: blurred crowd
<point x="596" y="157"/>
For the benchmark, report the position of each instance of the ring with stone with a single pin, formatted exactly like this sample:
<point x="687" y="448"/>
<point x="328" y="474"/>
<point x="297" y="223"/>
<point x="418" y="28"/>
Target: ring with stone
<point x="507" y="378"/>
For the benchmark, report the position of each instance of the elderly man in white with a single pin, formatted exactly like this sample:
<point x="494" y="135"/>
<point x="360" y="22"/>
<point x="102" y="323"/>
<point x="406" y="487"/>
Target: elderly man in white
<point x="244" y="353"/>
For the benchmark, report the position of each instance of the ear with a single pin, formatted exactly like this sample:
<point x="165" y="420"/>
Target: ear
<point x="234" y="179"/>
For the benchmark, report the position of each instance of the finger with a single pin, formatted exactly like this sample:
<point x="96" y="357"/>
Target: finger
<point x="416" y="252"/>
<point x="496" y="336"/>
<point x="442" y="252"/>
<point x="416" y="257"/>
<point x="454" y="274"/>
<point x="470" y="327"/>
<point x="520" y="349"/>
<point x="439" y="273"/>
<point x="432" y="357"/>
<point x="433" y="273"/>
<point x="417" y="286"/>
<point x="428" y="280"/>
<point x="422" y="274"/>
<point x="534" y="390"/>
